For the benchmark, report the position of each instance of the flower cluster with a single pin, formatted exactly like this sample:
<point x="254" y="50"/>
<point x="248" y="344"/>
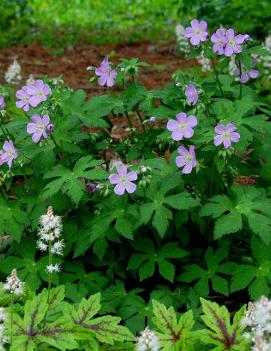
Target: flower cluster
<point x="106" y="75"/>
<point x="183" y="46"/>
<point x="123" y="180"/>
<point x="182" y="128"/>
<point x="147" y="341"/>
<point x="225" y="42"/>
<point x="14" y="285"/>
<point x="257" y="322"/>
<point x="32" y="95"/>
<point x="8" y="153"/>
<point x="3" y="338"/>
<point x="49" y="238"/>
<point x="13" y="74"/>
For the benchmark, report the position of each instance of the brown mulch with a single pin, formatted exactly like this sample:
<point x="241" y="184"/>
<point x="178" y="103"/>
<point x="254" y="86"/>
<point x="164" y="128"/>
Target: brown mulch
<point x="72" y="64"/>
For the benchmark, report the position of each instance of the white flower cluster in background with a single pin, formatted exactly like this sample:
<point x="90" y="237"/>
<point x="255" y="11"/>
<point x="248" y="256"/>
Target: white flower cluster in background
<point x="13" y="74"/>
<point x="205" y="63"/>
<point x="30" y="80"/>
<point x="257" y="322"/>
<point x="183" y="46"/>
<point x="50" y="238"/>
<point x="147" y="341"/>
<point x="266" y="60"/>
<point x="3" y="338"/>
<point x="13" y="284"/>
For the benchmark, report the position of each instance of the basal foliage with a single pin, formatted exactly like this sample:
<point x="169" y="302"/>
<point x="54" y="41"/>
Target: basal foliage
<point x="174" y="208"/>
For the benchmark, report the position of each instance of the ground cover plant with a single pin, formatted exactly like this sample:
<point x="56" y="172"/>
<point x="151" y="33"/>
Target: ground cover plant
<point x="148" y="235"/>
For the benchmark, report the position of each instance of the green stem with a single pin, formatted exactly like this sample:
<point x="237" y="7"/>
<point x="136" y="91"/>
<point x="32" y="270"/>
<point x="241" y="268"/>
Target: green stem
<point x="241" y="85"/>
<point x="50" y="257"/>
<point x="129" y="120"/>
<point x="49" y="262"/>
<point x="11" y="319"/>
<point x="141" y="121"/>
<point x="217" y="78"/>
<point x="5" y="133"/>
<point x="56" y="145"/>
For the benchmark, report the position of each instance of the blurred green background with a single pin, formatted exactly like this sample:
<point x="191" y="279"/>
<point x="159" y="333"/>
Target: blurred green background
<point x="63" y="22"/>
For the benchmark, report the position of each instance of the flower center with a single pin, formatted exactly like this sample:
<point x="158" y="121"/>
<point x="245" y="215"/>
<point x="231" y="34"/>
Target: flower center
<point x="40" y="127"/>
<point x="231" y="42"/>
<point x="182" y="126"/>
<point x="188" y="158"/>
<point x="40" y="93"/>
<point x="198" y="32"/>
<point x="226" y="135"/>
<point x="123" y="180"/>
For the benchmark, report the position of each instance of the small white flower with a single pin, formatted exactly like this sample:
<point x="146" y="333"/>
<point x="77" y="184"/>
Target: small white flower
<point x="13" y="74"/>
<point x="42" y="246"/>
<point x="57" y="248"/>
<point x="183" y="45"/>
<point x="13" y="284"/>
<point x="205" y="63"/>
<point x="3" y="315"/>
<point x="53" y="268"/>
<point x="30" y="80"/>
<point x="147" y="341"/>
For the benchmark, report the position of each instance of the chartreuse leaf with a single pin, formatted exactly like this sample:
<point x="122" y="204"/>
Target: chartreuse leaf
<point x="255" y="275"/>
<point x="174" y="334"/>
<point x="105" y="329"/>
<point x="35" y="327"/>
<point x="243" y="203"/>
<point x="224" y="334"/>
<point x="69" y="181"/>
<point x="146" y="261"/>
<point x="217" y="268"/>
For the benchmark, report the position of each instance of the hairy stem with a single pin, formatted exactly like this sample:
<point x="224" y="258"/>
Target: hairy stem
<point x="241" y="85"/>
<point x="141" y="121"/>
<point x="217" y="78"/>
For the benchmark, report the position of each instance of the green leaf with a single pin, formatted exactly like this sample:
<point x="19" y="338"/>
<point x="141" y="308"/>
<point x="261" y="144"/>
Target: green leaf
<point x="216" y="269"/>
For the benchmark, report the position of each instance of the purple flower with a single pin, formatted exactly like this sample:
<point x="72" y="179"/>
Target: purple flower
<point x="219" y="41"/>
<point x="8" y="154"/>
<point x="187" y="159"/>
<point x="2" y="102"/>
<point x="226" y="135"/>
<point x="246" y="75"/>
<point x="123" y="180"/>
<point x="197" y="32"/>
<point x="152" y="119"/>
<point x="192" y="94"/>
<point x="50" y="127"/>
<point x="182" y="127"/>
<point x="234" y="43"/>
<point x="38" y="128"/>
<point x="38" y="92"/>
<point x="106" y="75"/>
<point x="91" y="187"/>
<point x="23" y="96"/>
